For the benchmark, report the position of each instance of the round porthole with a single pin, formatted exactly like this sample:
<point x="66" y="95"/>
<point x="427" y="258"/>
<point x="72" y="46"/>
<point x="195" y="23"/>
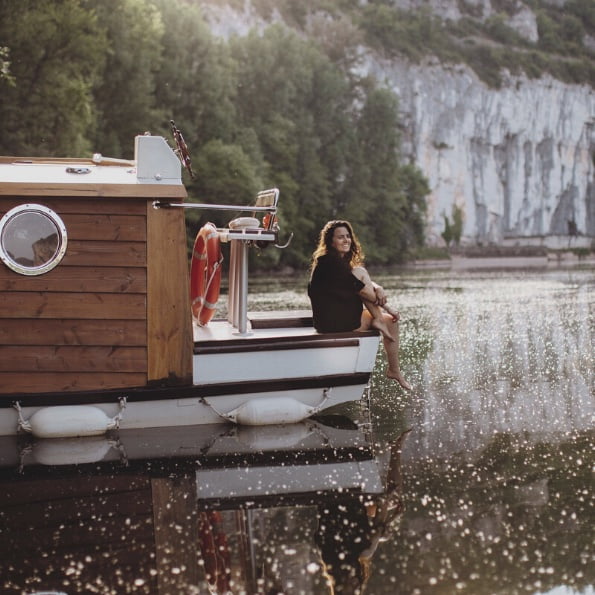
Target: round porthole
<point x="32" y="239"/>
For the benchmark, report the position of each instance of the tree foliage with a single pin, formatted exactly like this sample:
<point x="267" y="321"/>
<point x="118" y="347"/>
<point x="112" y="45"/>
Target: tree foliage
<point x="134" y="30"/>
<point x="269" y="109"/>
<point x="453" y="230"/>
<point x="57" y="50"/>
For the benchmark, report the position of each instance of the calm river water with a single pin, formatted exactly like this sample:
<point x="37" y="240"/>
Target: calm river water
<point x="480" y="481"/>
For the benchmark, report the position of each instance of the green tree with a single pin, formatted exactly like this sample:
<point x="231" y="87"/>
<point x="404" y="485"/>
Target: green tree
<point x="268" y="109"/>
<point x="225" y="176"/>
<point x="457" y="223"/>
<point x="296" y="102"/>
<point x="385" y="199"/>
<point x="125" y="95"/>
<point x="453" y="230"/>
<point x="447" y="233"/>
<point x="57" y="52"/>
<point x="195" y="84"/>
<point x="415" y="188"/>
<point x="583" y="10"/>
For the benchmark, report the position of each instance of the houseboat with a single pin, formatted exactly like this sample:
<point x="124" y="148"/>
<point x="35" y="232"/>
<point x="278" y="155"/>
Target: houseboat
<point x="108" y="323"/>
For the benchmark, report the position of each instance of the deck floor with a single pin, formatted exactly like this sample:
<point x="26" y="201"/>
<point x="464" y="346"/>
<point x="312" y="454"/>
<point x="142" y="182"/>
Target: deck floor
<point x="261" y="324"/>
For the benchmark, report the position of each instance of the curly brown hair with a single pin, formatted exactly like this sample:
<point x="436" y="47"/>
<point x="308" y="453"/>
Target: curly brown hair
<point x="325" y="243"/>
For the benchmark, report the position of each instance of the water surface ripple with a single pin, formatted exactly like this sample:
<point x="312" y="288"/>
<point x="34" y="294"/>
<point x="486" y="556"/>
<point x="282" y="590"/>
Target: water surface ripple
<point x="480" y="481"/>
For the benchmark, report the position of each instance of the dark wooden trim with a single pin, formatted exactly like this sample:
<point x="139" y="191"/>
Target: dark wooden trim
<point x="284" y="384"/>
<point x="69" y="208"/>
<point x="140" y="394"/>
<point x="327" y="340"/>
<point x="89" y="190"/>
<point x="291" y="499"/>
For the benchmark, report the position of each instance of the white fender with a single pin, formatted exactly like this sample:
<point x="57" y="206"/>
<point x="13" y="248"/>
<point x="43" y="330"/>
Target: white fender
<point x="71" y="451"/>
<point x="273" y="437"/>
<point x="66" y="421"/>
<point x="270" y="410"/>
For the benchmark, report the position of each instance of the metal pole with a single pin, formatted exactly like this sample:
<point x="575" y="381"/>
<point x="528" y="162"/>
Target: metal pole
<point x="232" y="314"/>
<point x="243" y="288"/>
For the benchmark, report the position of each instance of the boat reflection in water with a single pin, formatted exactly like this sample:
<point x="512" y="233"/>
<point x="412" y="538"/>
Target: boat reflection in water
<point x="298" y="508"/>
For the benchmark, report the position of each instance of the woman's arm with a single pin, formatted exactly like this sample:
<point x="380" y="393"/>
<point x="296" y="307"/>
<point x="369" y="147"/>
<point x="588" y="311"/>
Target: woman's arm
<point x="371" y="292"/>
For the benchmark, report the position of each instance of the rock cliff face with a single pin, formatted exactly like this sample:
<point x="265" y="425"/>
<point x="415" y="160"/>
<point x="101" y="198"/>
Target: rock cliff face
<point x="518" y="161"/>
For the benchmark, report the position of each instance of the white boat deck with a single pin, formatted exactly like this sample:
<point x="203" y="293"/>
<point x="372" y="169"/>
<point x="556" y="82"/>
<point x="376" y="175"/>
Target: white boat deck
<point x="222" y="330"/>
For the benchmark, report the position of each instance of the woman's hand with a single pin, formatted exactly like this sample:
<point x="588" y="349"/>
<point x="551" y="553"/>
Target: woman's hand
<point x="381" y="298"/>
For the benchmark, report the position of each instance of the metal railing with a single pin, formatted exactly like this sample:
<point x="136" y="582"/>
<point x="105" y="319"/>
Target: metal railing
<point x="241" y="237"/>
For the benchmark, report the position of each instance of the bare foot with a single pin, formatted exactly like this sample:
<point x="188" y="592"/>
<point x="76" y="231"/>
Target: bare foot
<point x="382" y="326"/>
<point x="399" y="378"/>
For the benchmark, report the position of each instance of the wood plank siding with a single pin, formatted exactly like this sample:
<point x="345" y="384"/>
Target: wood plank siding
<point x="169" y="319"/>
<point x="114" y="313"/>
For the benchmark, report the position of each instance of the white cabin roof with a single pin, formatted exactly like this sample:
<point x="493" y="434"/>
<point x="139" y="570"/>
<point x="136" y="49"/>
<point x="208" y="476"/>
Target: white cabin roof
<point x="155" y="172"/>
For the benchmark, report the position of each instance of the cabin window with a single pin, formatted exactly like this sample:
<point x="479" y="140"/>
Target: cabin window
<point x="32" y="239"/>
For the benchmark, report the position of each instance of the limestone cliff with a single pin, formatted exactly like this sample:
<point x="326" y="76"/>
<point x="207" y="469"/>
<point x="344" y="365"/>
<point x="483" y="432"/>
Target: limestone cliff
<point x="517" y="160"/>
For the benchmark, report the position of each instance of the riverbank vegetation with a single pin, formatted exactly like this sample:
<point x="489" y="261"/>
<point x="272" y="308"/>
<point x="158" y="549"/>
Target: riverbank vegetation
<point x="268" y="109"/>
<point x="279" y="107"/>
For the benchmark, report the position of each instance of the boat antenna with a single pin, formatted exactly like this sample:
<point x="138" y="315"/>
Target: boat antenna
<point x="182" y="149"/>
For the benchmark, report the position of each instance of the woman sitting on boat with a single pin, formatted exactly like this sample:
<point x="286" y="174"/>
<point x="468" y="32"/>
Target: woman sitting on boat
<point x="340" y="287"/>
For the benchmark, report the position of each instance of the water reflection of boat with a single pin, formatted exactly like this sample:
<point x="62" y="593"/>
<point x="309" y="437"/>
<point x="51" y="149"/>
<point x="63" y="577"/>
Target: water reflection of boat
<point x="98" y="326"/>
<point x="185" y="515"/>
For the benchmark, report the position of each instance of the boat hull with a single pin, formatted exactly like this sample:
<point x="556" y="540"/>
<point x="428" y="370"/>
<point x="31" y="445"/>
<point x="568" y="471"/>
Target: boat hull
<point x="270" y="381"/>
<point x="145" y="412"/>
<point x="284" y="356"/>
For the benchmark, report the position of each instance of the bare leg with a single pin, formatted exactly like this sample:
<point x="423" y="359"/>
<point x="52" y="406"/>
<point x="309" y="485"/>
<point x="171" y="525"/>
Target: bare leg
<point x="392" y="356"/>
<point x="391" y="345"/>
<point x="378" y="319"/>
<point x="387" y="323"/>
<point x="391" y="311"/>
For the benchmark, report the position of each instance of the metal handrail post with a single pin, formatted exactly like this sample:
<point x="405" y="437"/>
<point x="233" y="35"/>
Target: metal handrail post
<point x="243" y="288"/>
<point x="232" y="314"/>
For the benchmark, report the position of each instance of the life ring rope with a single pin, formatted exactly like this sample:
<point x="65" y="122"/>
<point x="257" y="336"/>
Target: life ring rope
<point x="205" y="273"/>
<point x="210" y="280"/>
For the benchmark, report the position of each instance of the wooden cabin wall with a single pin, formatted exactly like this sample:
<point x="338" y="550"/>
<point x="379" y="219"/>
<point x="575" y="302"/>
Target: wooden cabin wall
<point x="170" y="340"/>
<point x="85" y="324"/>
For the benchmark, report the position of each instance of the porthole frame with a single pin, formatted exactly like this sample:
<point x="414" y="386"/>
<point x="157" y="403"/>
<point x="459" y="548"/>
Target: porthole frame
<point x="59" y="252"/>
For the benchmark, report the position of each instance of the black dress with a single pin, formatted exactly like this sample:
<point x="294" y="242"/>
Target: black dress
<point x="334" y="294"/>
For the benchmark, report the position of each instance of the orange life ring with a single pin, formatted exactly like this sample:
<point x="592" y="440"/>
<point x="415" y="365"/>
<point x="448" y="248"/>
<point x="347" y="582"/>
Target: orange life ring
<point x="205" y="273"/>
